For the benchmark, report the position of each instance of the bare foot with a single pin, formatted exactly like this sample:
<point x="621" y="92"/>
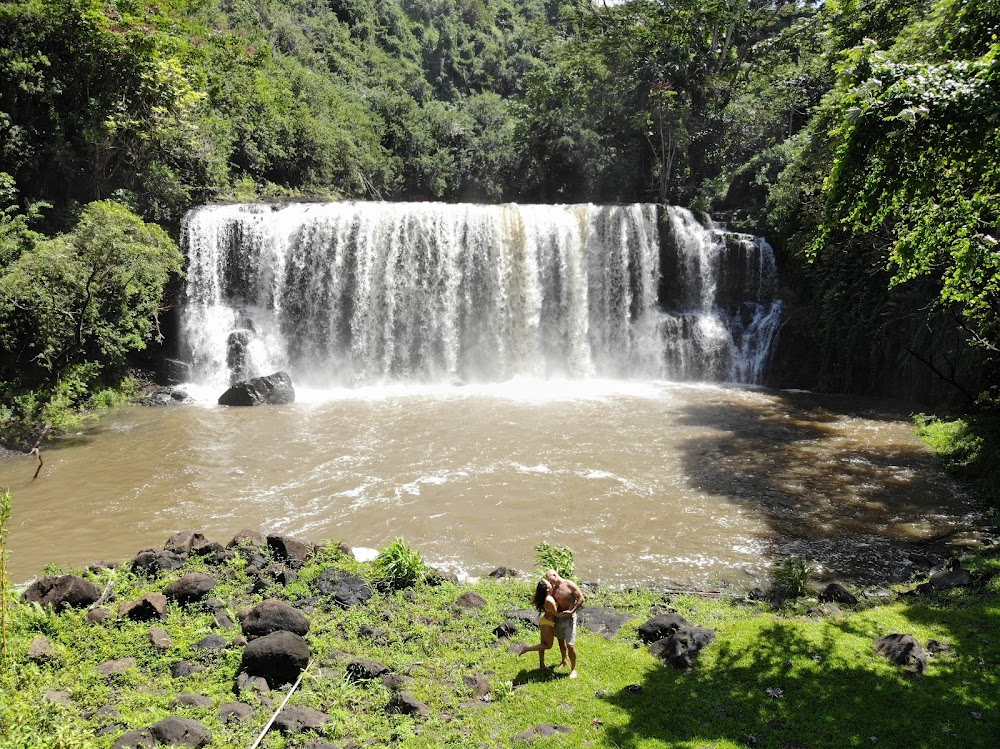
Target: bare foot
<point x="572" y="674"/>
<point x="562" y="664"/>
<point x="518" y="648"/>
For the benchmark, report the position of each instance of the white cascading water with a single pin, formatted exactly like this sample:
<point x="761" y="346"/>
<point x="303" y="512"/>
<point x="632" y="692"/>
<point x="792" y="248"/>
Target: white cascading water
<point x="343" y="294"/>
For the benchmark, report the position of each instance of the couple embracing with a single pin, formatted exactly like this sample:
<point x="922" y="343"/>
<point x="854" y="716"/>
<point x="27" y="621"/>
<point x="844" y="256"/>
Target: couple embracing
<point x="558" y="600"/>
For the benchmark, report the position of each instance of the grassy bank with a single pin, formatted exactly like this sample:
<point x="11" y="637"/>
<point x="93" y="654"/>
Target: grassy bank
<point x="778" y="679"/>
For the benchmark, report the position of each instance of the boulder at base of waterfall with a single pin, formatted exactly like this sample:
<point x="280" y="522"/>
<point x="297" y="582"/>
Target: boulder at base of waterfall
<point x="62" y="592"/>
<point x="258" y="391"/>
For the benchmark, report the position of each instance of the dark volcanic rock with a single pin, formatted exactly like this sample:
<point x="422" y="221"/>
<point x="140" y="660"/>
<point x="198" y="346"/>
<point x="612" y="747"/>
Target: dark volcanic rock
<point x="190" y="588"/>
<point x="477" y="683"/>
<point x="541" y="731"/>
<point x="434" y="576"/>
<point x="235" y="712"/>
<point x="182" y="541"/>
<point x="403" y="704"/>
<point x="835" y="593"/>
<point x="953" y="578"/>
<point x="526" y="616"/>
<point x="660" y="626"/>
<point x="272" y="616"/>
<point x="365" y="668"/>
<point x="394" y="682"/>
<point x="503" y="572"/>
<point x="62" y="592"/>
<point x="602" y="620"/>
<point x="273" y="389"/>
<point x="115" y="667"/>
<point x="185" y="668"/>
<point x="160" y="638"/>
<point x="680" y="648"/>
<point x="41" y="651"/>
<point x="290" y="550"/>
<point x="345" y="589"/>
<point x="138" y="739"/>
<point x="279" y="657"/>
<point x="296" y="719"/>
<point x="902" y="650"/>
<point x="248" y="539"/>
<point x="191" y="700"/>
<point x="150" y="606"/>
<point x="508" y="628"/>
<point x="152" y="562"/>
<point x="470" y="600"/>
<point x="211" y="642"/>
<point x="175" y="731"/>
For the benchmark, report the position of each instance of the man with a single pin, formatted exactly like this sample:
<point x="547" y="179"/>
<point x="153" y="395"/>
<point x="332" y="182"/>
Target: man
<point x="569" y="599"/>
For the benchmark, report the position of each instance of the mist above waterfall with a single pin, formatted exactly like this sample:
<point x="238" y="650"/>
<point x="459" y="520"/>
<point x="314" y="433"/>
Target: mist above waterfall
<point x="347" y="294"/>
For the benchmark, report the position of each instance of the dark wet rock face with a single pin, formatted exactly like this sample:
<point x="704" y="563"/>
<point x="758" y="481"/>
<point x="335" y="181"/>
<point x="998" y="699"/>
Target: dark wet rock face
<point x="902" y="650"/>
<point x="297" y="719"/>
<point x="274" y="389"/>
<point x="834" y="593"/>
<point x="680" y="649"/>
<point x="152" y="562"/>
<point x="602" y="620"/>
<point x="290" y="550"/>
<point x="150" y="606"/>
<point x="362" y="669"/>
<point x="278" y="657"/>
<point x="272" y="616"/>
<point x="190" y="588"/>
<point x="470" y="600"/>
<point x="346" y="590"/>
<point x="174" y="731"/>
<point x="62" y="592"/>
<point x="660" y="626"/>
<point x="403" y="704"/>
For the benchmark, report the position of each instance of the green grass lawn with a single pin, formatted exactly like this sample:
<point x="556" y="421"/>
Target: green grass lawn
<point x="779" y="679"/>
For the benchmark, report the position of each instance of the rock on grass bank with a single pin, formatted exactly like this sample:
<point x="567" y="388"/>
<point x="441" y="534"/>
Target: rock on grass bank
<point x="198" y="644"/>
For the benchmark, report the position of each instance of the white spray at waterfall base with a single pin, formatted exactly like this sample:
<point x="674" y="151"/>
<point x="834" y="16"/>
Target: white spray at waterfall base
<point x="355" y="294"/>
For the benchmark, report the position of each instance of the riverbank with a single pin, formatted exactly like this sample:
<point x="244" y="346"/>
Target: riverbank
<point x="431" y="665"/>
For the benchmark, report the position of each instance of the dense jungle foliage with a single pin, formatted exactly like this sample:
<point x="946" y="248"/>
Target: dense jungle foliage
<point x="860" y="135"/>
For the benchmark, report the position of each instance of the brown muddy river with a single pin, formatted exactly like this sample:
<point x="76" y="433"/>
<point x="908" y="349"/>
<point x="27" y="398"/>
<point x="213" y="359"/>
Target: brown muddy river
<point x="644" y="481"/>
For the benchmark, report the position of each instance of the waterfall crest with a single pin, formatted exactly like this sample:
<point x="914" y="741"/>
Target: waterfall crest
<point x="349" y="293"/>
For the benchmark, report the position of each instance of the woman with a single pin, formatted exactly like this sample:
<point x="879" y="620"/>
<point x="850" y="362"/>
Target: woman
<point x="546" y="604"/>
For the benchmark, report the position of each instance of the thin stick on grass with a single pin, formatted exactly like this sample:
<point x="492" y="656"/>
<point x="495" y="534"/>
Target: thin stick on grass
<point x="291" y="691"/>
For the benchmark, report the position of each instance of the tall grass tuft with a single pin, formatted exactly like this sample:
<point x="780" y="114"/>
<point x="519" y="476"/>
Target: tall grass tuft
<point x="558" y="558"/>
<point x="398" y="566"/>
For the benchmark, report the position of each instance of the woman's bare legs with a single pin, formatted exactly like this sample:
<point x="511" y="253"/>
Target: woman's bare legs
<point x="548" y="635"/>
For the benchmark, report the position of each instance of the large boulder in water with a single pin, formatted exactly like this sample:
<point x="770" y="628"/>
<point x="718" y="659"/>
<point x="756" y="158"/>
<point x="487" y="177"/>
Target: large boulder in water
<point x="275" y="388"/>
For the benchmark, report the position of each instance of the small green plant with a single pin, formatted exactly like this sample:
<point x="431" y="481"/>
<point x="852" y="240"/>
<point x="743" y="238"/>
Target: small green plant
<point x="5" y="503"/>
<point x="398" y="566"/>
<point x="791" y="577"/>
<point x="558" y="558"/>
<point x="502" y="690"/>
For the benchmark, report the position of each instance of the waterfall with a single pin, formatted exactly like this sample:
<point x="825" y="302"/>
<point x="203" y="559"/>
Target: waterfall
<point x="348" y="293"/>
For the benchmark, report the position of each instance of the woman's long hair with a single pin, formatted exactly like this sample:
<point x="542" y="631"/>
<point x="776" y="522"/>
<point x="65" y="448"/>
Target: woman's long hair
<point x="541" y="593"/>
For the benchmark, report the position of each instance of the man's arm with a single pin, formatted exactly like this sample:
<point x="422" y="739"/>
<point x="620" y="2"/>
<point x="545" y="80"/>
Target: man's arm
<point x="578" y="598"/>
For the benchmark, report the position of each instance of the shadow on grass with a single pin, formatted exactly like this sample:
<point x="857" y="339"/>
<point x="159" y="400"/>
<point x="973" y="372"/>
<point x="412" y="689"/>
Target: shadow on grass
<point x="814" y="687"/>
<point x="538" y="675"/>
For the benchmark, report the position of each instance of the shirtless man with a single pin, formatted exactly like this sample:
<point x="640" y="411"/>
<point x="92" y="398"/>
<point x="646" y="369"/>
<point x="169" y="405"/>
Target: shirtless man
<point x="569" y="599"/>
